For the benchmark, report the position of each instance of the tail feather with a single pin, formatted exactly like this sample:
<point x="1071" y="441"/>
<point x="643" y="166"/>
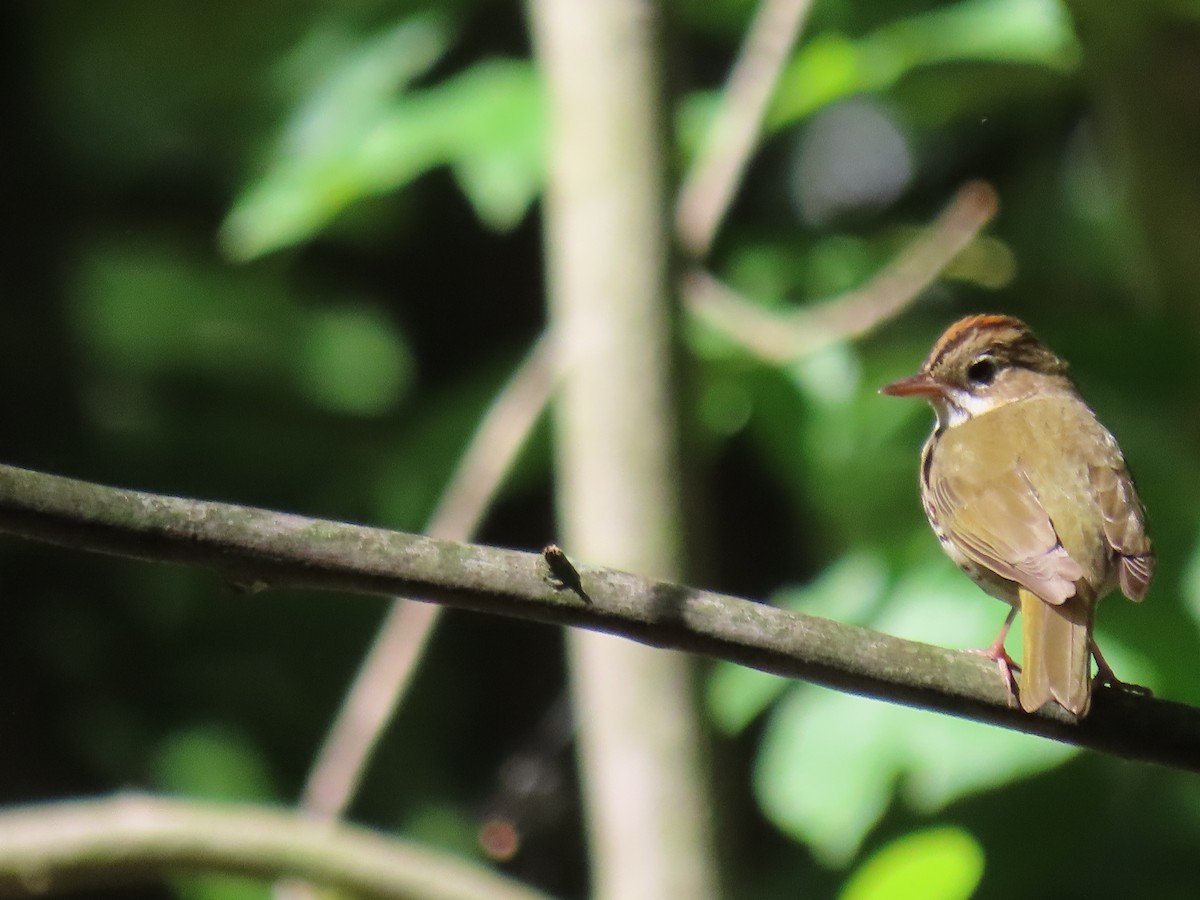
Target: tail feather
<point x="1057" y="658"/>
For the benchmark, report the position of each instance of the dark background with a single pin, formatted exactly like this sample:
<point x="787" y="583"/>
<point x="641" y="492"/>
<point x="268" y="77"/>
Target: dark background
<point x="212" y="286"/>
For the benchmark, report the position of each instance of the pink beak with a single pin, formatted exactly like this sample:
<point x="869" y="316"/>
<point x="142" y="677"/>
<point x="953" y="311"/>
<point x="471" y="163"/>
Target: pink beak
<point x="920" y="385"/>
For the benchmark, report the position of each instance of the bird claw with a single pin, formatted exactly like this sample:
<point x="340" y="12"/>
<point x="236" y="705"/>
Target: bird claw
<point x="1007" y="665"/>
<point x="1000" y="657"/>
<point x="1105" y="676"/>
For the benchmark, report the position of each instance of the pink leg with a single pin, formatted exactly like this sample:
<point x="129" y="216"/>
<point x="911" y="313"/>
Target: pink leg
<point x="1006" y="663"/>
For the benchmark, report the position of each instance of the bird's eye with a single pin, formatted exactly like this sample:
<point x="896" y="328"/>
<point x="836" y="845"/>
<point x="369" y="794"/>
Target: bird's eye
<point x="982" y="372"/>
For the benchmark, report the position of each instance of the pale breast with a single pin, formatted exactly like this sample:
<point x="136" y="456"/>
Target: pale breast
<point x="989" y="581"/>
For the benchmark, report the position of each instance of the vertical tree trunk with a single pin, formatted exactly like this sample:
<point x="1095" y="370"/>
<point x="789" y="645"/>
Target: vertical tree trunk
<point x="648" y="808"/>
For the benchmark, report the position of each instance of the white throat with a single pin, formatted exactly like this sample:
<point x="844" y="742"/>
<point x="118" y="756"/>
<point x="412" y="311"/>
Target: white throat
<point x="957" y="406"/>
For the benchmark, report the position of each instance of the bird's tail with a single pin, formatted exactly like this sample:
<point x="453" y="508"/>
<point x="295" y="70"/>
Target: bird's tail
<point x="1057" y="658"/>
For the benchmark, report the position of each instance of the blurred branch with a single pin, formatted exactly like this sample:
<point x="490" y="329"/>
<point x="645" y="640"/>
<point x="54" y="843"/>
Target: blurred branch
<point x="647" y="801"/>
<point x="130" y="838"/>
<point x="257" y="548"/>
<point x="495" y="444"/>
<point x="388" y="666"/>
<point x="386" y="670"/>
<point x="710" y="185"/>
<point x="785" y="337"/>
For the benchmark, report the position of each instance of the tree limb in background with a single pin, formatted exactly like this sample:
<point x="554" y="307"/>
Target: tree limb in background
<point x="386" y="670"/>
<point x="785" y="337"/>
<point x="713" y="181"/>
<point x="648" y="804"/>
<point x="705" y="197"/>
<point x="133" y="838"/>
<point x="388" y="666"/>
<point x="257" y="548"/>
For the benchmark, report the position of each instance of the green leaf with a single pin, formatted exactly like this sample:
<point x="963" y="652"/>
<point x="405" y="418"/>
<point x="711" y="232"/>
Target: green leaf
<point x="849" y="590"/>
<point x="946" y="758"/>
<point x="362" y="134"/>
<point x="446" y="826"/>
<point x="934" y="864"/>
<point x="1190" y="586"/>
<point x="826" y="769"/>
<point x="219" y="887"/>
<point x="831" y="67"/>
<point x="830" y="377"/>
<point x="737" y="694"/>
<point x="157" y="311"/>
<point x="866" y="751"/>
<point x="316" y="167"/>
<point x="352" y="362"/>
<point x="145" y="307"/>
<point x="358" y="80"/>
<point x="213" y="762"/>
<point x="499" y="159"/>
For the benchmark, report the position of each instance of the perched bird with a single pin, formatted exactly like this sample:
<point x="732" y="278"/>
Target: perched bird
<point x="1030" y="496"/>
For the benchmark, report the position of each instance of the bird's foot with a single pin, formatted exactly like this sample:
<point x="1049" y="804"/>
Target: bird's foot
<point x="1004" y="662"/>
<point x="1106" y="676"/>
<point x="1108" y="679"/>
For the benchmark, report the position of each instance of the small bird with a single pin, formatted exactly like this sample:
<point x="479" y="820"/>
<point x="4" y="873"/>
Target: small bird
<point x="1030" y="496"/>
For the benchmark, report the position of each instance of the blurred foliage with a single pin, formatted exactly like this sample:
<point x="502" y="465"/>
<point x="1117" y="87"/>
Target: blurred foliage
<point x="285" y="253"/>
<point x="935" y="864"/>
<point x="867" y="750"/>
<point x="360" y="133"/>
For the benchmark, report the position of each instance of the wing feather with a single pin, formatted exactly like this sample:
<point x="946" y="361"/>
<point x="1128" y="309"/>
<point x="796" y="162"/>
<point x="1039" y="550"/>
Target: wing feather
<point x="1008" y="532"/>
<point x="1124" y="520"/>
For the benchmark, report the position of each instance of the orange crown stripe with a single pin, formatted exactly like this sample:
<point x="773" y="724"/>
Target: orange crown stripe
<point x="975" y="324"/>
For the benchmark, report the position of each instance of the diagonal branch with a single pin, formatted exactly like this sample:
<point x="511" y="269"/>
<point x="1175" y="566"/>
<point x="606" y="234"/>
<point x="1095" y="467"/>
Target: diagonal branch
<point x="786" y="337"/>
<point x="399" y="644"/>
<point x="710" y="185"/>
<point x="385" y="671"/>
<point x="131" y="838"/>
<point x="257" y="549"/>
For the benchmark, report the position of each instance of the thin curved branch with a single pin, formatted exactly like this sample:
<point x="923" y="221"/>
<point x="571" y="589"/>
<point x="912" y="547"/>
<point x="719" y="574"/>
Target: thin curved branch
<point x="131" y="838"/>
<point x="388" y="666"/>
<point x="786" y="337"/>
<point x="401" y="639"/>
<point x="257" y="549"/>
<point x="494" y="446"/>
<point x="713" y="180"/>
